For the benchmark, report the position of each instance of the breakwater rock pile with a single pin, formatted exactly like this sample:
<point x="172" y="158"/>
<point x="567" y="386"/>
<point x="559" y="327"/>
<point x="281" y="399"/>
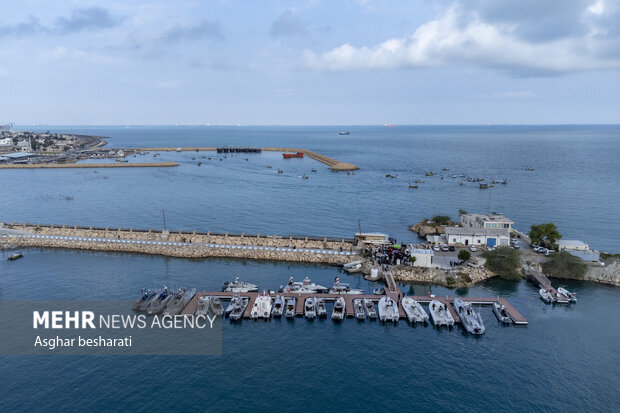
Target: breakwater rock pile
<point x="462" y="276"/>
<point x="188" y="245"/>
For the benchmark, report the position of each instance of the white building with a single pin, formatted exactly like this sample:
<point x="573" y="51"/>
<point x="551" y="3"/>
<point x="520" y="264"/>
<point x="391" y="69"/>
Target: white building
<point x="493" y="221"/>
<point x="478" y="236"/>
<point x="572" y="245"/>
<point x="6" y="141"/>
<point x="423" y="257"/>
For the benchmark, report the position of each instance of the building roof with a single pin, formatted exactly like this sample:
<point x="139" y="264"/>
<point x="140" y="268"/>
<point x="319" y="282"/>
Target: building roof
<point x="490" y="218"/>
<point x="476" y="231"/>
<point x="421" y="251"/>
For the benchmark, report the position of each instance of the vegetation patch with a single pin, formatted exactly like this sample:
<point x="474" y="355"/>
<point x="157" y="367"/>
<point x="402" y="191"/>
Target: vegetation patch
<point x="441" y="220"/>
<point x="545" y="234"/>
<point x="464" y="255"/>
<point x="450" y="281"/>
<point x="606" y="256"/>
<point x="565" y="265"/>
<point x="505" y="262"/>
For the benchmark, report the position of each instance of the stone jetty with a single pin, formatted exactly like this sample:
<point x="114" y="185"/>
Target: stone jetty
<point x="89" y="165"/>
<point x="185" y="244"/>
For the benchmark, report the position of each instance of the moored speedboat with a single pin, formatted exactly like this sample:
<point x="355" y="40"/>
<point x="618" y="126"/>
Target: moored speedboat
<point x="261" y="307"/>
<point x="546" y="296"/>
<point x="216" y="306"/>
<point x="310" y="308"/>
<point x="440" y="314"/>
<point x="147" y="295"/>
<point x="231" y="304"/>
<point x="352" y="267"/>
<point x="369" y="306"/>
<point x="178" y="302"/>
<point x="343" y="288"/>
<point x="388" y="310"/>
<point x="321" y="311"/>
<point x="305" y="286"/>
<point x="239" y="287"/>
<point x="414" y="311"/>
<point x="157" y="304"/>
<point x="572" y="297"/>
<point x="338" y="311"/>
<point x="278" y="306"/>
<point x="501" y="313"/>
<point x="15" y="256"/>
<point x="239" y="309"/>
<point x="358" y="307"/>
<point x="204" y="304"/>
<point x="291" y="306"/>
<point x="471" y="320"/>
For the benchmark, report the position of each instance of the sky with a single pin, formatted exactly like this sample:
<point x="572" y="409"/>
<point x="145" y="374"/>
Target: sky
<point x="312" y="62"/>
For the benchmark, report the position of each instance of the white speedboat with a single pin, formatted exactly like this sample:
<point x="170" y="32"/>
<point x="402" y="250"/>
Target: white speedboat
<point x="338" y="311"/>
<point x="369" y="306"/>
<point x="471" y="320"/>
<point x="261" y="307"/>
<point x="231" y="304"/>
<point x="310" y="308"/>
<point x="291" y="307"/>
<point x="239" y="309"/>
<point x="572" y="297"/>
<point x="204" y="303"/>
<point x="178" y="302"/>
<point x="157" y="305"/>
<point x="278" y="306"/>
<point x="501" y="313"/>
<point x="358" y="308"/>
<point x="343" y="288"/>
<point x="239" y="287"/>
<point x="546" y="296"/>
<point x="440" y="314"/>
<point x="321" y="311"/>
<point x="388" y="310"/>
<point x="414" y="311"/>
<point x="305" y="286"/>
<point x="352" y="267"/>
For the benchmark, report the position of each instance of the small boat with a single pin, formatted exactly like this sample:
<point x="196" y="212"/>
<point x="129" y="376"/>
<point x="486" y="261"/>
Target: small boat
<point x="446" y="169"/>
<point x="310" y="308"/>
<point x="216" y="306"/>
<point x="414" y="311"/>
<point x="431" y="173"/>
<point x="231" y="304"/>
<point x="239" y="287"/>
<point x="15" y="256"/>
<point x="280" y="171"/>
<point x="350" y="173"/>
<point x="419" y="181"/>
<point x="204" y="303"/>
<point x="343" y="288"/>
<point x="268" y="167"/>
<point x="529" y="169"/>
<point x="338" y="311"/>
<point x="304" y="177"/>
<point x="344" y="133"/>
<point x="313" y="170"/>
<point x="572" y="297"/>
<point x="501" y="313"/>
<point x="504" y="181"/>
<point x="321" y="312"/>
<point x="369" y="306"/>
<point x="546" y="296"/>
<point x="278" y="306"/>
<point x="354" y="266"/>
<point x="179" y="301"/>
<point x="261" y="307"/>
<point x="358" y="307"/>
<point x="471" y="320"/>
<point x="391" y="176"/>
<point x="158" y="304"/>
<point x="413" y="186"/>
<point x="485" y="186"/>
<point x="378" y="291"/>
<point x="239" y="309"/>
<point x="147" y="295"/>
<point x="293" y="155"/>
<point x="440" y="314"/>
<point x="462" y="183"/>
<point x="291" y="306"/>
<point x="388" y="310"/>
<point x="305" y="286"/>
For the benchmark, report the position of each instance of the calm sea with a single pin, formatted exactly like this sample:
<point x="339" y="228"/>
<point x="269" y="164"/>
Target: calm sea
<point x="567" y="356"/>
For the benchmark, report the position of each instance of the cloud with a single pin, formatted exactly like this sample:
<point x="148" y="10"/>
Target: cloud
<point x="288" y="25"/>
<point x="92" y="18"/>
<point x="486" y="38"/>
<point x="203" y="30"/>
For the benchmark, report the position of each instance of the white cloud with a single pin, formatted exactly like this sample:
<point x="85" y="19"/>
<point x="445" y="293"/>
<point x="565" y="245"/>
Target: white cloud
<point x="459" y="38"/>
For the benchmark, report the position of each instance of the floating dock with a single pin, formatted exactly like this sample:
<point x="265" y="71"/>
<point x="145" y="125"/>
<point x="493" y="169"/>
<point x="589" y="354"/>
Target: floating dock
<point x="516" y="317"/>
<point x="544" y="282"/>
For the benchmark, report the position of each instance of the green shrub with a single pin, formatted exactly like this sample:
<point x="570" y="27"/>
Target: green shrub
<point x="450" y="281"/>
<point x="464" y="255"/>
<point x="545" y="234"/>
<point x="565" y="265"/>
<point x="441" y="219"/>
<point x="505" y="262"/>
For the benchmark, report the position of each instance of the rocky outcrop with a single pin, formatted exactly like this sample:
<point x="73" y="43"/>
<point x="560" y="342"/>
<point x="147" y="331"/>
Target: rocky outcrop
<point x="425" y="227"/>
<point x="461" y="276"/>
<point x="609" y="274"/>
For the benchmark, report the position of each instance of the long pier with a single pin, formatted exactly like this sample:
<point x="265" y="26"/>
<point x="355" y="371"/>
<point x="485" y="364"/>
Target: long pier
<point x="88" y="165"/>
<point x="333" y="164"/>
<point x="514" y="314"/>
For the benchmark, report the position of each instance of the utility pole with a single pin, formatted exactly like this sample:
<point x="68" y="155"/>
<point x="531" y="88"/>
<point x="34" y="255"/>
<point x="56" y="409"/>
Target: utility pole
<point x="163" y="213"/>
<point x="359" y="225"/>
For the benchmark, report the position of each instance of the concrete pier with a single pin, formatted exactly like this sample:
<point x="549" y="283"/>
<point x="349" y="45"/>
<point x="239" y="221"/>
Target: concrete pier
<point x="89" y="165"/>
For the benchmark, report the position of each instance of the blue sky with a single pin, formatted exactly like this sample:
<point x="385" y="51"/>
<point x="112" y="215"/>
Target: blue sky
<point x="310" y="62"/>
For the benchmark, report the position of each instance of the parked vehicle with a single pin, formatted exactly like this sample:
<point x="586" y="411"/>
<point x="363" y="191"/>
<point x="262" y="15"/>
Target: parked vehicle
<point x="473" y="248"/>
<point x="452" y="248"/>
